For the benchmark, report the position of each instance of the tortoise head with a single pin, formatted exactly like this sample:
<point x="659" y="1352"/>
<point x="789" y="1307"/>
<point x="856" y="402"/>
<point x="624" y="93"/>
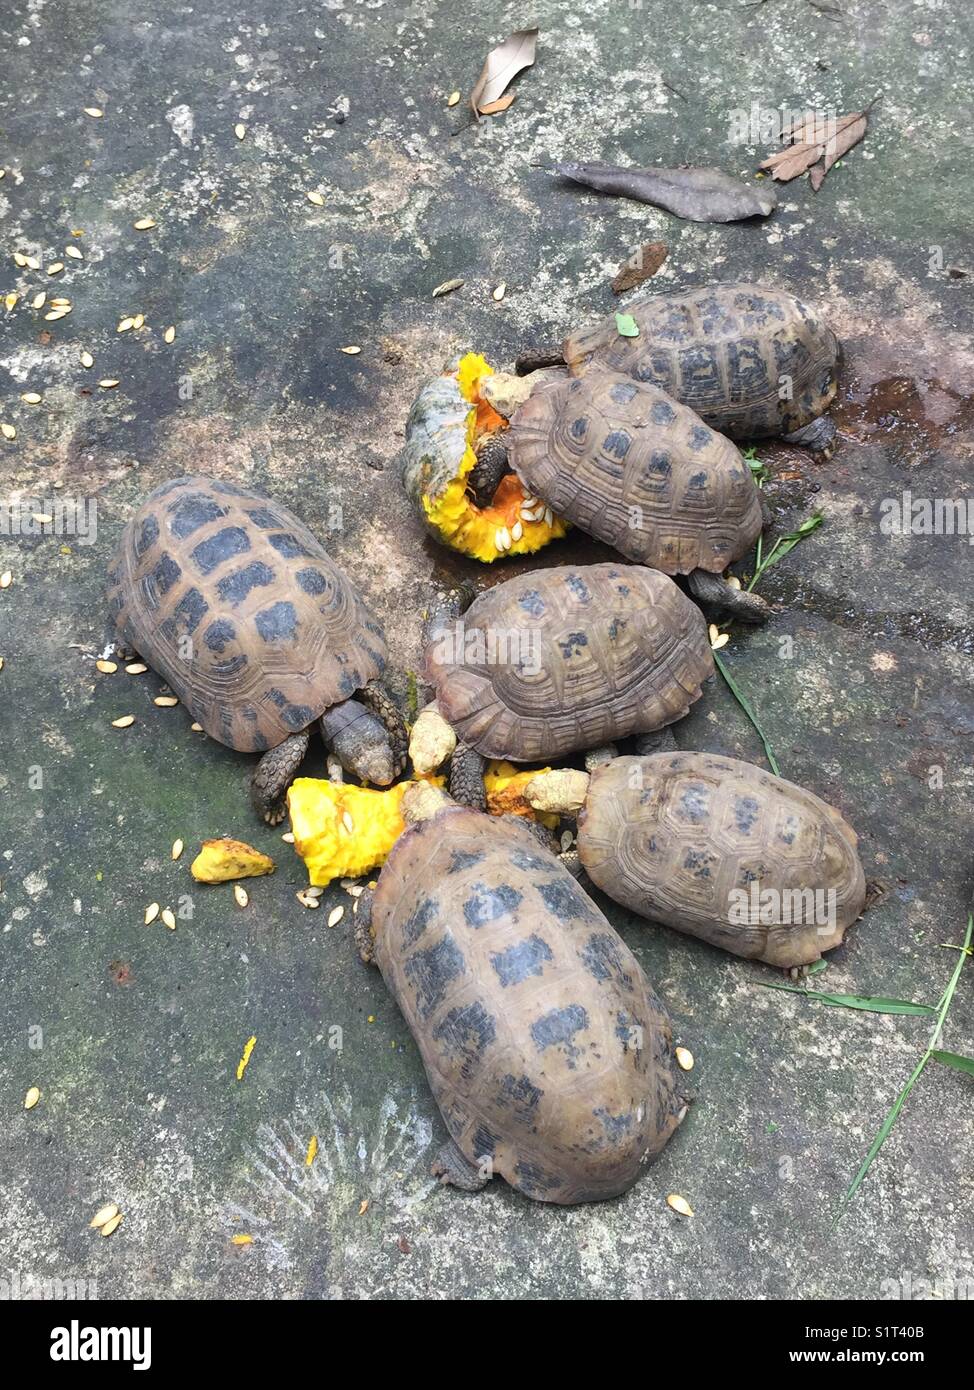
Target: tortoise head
<point x="506" y="392"/>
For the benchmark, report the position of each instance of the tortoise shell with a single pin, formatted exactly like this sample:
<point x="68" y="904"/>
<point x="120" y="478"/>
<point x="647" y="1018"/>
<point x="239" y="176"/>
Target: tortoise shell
<point x="569" y="658"/>
<point x="751" y="361"/>
<point x="547" y="1052"/>
<point x="233" y="601"/>
<point x="696" y="841"/>
<point x="636" y="469"/>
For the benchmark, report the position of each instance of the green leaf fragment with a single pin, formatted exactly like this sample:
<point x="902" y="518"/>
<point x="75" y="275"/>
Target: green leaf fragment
<point x="954" y="1059"/>
<point x="627" y="325"/>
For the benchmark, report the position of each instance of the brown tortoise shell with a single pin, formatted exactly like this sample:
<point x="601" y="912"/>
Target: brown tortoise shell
<point x="672" y="835"/>
<point x="569" y="658"/>
<point x="236" y="604"/>
<point x="547" y="1051"/>
<point x="723" y="351"/>
<point x="629" y="465"/>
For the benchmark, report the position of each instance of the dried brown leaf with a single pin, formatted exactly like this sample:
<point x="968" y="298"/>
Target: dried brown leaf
<point x="502" y="66"/>
<point x="844" y="140"/>
<point x="494" y="108"/>
<point x="641" y="265"/>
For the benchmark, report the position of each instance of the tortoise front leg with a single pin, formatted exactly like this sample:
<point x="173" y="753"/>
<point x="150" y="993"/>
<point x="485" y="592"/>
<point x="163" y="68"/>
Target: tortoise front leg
<point x="364" y="938"/>
<point x="453" y="1167"/>
<point x="819" y="435"/>
<point x="273" y="775"/>
<point x="467" y="777"/>
<point x="490" y="469"/>
<point x="381" y="703"/>
<point x="711" y="589"/>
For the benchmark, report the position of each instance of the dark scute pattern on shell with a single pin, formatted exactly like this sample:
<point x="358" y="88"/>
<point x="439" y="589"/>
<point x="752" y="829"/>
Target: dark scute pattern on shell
<point x="560" y="1073"/>
<point x="723" y="350"/>
<point x="276" y="640"/>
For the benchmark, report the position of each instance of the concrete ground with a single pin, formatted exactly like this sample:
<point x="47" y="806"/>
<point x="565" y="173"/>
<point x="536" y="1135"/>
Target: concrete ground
<point x="133" y="1033"/>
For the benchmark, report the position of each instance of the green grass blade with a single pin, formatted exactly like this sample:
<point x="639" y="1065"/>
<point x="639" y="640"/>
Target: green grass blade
<point x="875" y="1004"/>
<point x="954" y="1059"/>
<point x="784" y="544"/>
<point x="739" y="697"/>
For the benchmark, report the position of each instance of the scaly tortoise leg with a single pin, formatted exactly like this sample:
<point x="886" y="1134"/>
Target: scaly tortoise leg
<point x="453" y="1167"/>
<point x="467" y="777"/>
<point x="711" y="589"/>
<point x="364" y="939"/>
<point x="491" y="467"/>
<point x="819" y="435"/>
<point x="273" y="775"/>
<point x="381" y="703"/>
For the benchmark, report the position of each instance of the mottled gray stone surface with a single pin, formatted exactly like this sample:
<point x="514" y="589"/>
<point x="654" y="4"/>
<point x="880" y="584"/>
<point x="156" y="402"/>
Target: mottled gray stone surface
<point x="141" y="1028"/>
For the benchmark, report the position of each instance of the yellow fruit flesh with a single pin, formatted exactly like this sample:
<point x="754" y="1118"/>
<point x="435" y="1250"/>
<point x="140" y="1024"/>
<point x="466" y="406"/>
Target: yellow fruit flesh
<point x="454" y="514"/>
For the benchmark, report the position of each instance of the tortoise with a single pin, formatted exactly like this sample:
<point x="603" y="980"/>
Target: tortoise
<point x="241" y="610"/>
<point x="562" y="659"/>
<point x="717" y="848"/>
<point x="625" y="462"/>
<point x="752" y="361"/>
<point x="549" y="1055"/>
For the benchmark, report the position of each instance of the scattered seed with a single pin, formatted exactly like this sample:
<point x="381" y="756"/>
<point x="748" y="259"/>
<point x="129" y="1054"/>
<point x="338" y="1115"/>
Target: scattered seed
<point x="679" y="1204"/>
<point x="20" y="259"/>
<point x="74" y="253"/>
<point x="314" y="891"/>
<point x="58" y="301"/>
<point x="453" y="98"/>
<point x="447" y="287"/>
<point x="136" y="668"/>
<point x="151" y="913"/>
<point x="500" y="292"/>
<point x="177" y="849"/>
<point x="317" y="198"/>
<point x="6" y="579"/>
<point x="107" y="668"/>
<point x="240" y="131"/>
<point x="32" y="263"/>
<point x="241" y="895"/>
<point x="125" y="325"/>
<point x="32" y="1097"/>
<point x="733" y="581"/>
<point x="347" y="821"/>
<point x="170" y="334"/>
<point x="502" y="538"/>
<point x="335" y="916"/>
<point x="103" y="1214"/>
<point x="138" y="321"/>
<point x="8" y="431"/>
<point x="38" y="301"/>
<point x="356" y="890"/>
<point x="165" y="701"/>
<point x="196" y="728"/>
<point x="56" y="314"/>
<point x="169" y="918"/>
<point x="567" y="840"/>
<point x="111" y="1225"/>
<point x="351" y="351"/>
<point x="548" y="516"/>
<point x="517" y="531"/>
<point x="363" y="1207"/>
<point x="144" y="223"/>
<point x="306" y="901"/>
<point x="1" y="663"/>
<point x="123" y="723"/>
<point x="42" y="518"/>
<point x="108" y="382"/>
<point x="31" y="397"/>
<point x="95" y="112"/>
<point x="685" y="1058"/>
<point x="288" y="837"/>
<point x="10" y="300"/>
<point x="55" y="268"/>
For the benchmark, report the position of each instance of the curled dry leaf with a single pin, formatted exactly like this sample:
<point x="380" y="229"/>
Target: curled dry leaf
<point x="503" y="64"/>
<point x="815" y="138"/>
<point x="699" y="195"/>
<point x="641" y="265"/>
